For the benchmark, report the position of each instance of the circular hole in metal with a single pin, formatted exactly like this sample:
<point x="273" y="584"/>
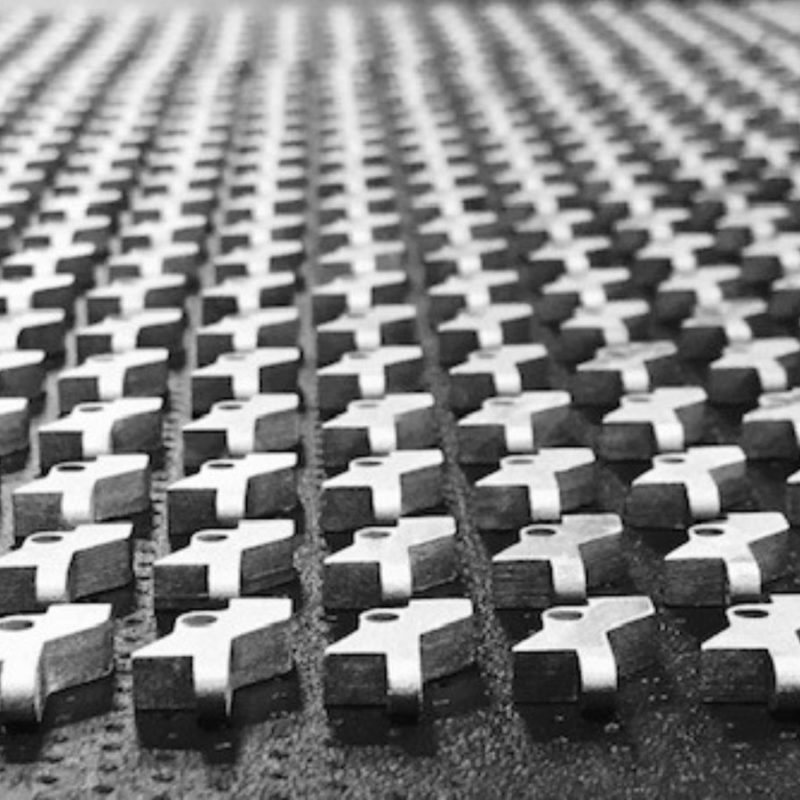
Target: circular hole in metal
<point x="382" y="616"/>
<point x="369" y="462"/>
<point x="565" y="616"/>
<point x="15" y="624"/>
<point x="539" y="531"/>
<point x="638" y="398"/>
<point x="501" y="402"/>
<point x="229" y="406"/>
<point x="46" y="538"/>
<point x="219" y="465"/>
<point x="71" y="467"/>
<point x="212" y="537"/>
<point x="90" y="408"/>
<point x="199" y="620"/>
<point x="751" y="613"/>
<point x="704" y="531"/>
<point x="519" y="460"/>
<point x="671" y="459"/>
<point x="367" y="404"/>
<point x="375" y="533"/>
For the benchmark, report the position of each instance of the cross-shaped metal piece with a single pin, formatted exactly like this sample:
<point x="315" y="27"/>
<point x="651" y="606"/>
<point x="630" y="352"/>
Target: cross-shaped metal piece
<point x="503" y="371"/>
<point x="366" y="330"/>
<point x="583" y="652"/>
<point x="137" y="373"/>
<point x="281" y="256"/>
<point x="682" y="252"/>
<point x="704" y="335"/>
<point x="623" y="369"/>
<point x="77" y="492"/>
<point x="226" y="491"/>
<point x="262" y="423"/>
<point x="242" y="375"/>
<point x="124" y="425"/>
<point x="559" y="562"/>
<point x="484" y="329"/>
<point x="379" y="426"/>
<point x="388" y="565"/>
<point x="588" y="328"/>
<point x="181" y="672"/>
<point x="277" y="326"/>
<point x="727" y="560"/>
<point x="518" y="424"/>
<point x="773" y="429"/>
<point x="773" y="258"/>
<point x="473" y="292"/>
<point x="41" y="654"/>
<point x="756" y="659"/>
<point x="383" y="488"/>
<point x="222" y="563"/>
<point x="590" y="289"/>
<point x="574" y="256"/>
<point x="681" y="488"/>
<point x="152" y="327"/>
<point x="369" y="374"/>
<point x="533" y="487"/>
<point x="132" y="295"/>
<point x="357" y="293"/>
<point x="243" y="295"/>
<point x="746" y="369"/>
<point x="662" y="421"/>
<point x="395" y="651"/>
<point x="705" y="287"/>
<point x="64" y="566"/>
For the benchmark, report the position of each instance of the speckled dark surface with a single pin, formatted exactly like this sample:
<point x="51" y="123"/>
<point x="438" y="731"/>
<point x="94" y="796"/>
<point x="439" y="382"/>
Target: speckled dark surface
<point x="472" y="742"/>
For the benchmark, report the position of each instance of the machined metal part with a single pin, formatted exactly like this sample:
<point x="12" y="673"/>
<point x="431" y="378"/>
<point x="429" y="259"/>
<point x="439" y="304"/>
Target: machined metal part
<point x="109" y="376"/>
<point x="222" y="563"/>
<point x="699" y="484"/>
<point x="504" y="371"/>
<point x="559" y="562"/>
<point x="623" y="369"/>
<point x="366" y="330"/>
<point x="535" y="487"/>
<point x="181" y="672"/>
<point x="379" y="426"/>
<point x="232" y="428"/>
<point x="773" y="429"/>
<point x="65" y="566"/>
<point x="396" y="650"/>
<point x="746" y="369"/>
<point x="226" y="491"/>
<point x="240" y="376"/>
<point x="264" y="328"/>
<point x="41" y="654"/>
<point x="518" y="424"/>
<point x="484" y="329"/>
<point x="79" y="492"/>
<point x="728" y="560"/>
<point x="381" y="489"/>
<point x="124" y="425"/>
<point x="369" y="374"/>
<point x="582" y="653"/>
<point x="389" y="564"/>
<point x="665" y="420"/>
<point x="756" y="659"/>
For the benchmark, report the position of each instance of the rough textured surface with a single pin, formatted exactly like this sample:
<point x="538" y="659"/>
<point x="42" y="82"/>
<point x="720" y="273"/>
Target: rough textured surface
<point x="472" y="742"/>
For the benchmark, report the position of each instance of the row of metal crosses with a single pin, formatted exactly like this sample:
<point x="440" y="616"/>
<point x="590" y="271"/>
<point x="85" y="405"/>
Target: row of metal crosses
<point x="585" y="228"/>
